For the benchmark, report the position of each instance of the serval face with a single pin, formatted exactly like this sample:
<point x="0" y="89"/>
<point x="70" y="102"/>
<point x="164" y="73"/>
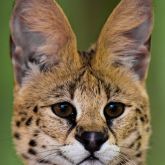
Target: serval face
<point x="80" y="108"/>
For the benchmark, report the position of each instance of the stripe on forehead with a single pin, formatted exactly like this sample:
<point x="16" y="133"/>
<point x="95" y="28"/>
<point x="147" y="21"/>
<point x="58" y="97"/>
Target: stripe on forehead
<point x="100" y="83"/>
<point x="73" y="85"/>
<point x="78" y="81"/>
<point x="109" y="90"/>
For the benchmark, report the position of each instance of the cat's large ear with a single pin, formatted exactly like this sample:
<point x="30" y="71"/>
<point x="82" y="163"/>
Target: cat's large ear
<point x="41" y="37"/>
<point x="125" y="38"/>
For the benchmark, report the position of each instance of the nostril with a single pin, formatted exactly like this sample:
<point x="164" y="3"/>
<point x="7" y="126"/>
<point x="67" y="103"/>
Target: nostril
<point x="92" y="141"/>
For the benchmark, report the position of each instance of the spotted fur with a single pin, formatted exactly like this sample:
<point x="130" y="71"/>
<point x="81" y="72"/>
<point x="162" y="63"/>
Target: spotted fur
<point x="49" y="69"/>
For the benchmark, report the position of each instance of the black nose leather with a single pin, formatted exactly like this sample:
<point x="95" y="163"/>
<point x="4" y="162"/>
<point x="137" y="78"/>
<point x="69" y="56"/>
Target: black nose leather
<point x="92" y="141"/>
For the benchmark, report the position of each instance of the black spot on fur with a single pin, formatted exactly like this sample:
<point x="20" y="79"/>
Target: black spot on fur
<point x="23" y="119"/>
<point x="138" y="146"/>
<point x="35" y="110"/>
<point x="138" y="154"/>
<point x="139" y="137"/>
<point x="142" y="119"/>
<point x="18" y="123"/>
<point x="43" y="146"/>
<point x="33" y="143"/>
<point x="17" y="136"/>
<point x="29" y="121"/>
<point x="138" y="111"/>
<point x="146" y="118"/>
<point x="36" y="132"/>
<point x="32" y="151"/>
<point x="37" y="122"/>
<point x="35" y="135"/>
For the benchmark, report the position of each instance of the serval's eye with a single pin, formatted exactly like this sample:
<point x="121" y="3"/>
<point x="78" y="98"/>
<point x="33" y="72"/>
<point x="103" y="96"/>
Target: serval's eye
<point x="114" y="110"/>
<point x="64" y="110"/>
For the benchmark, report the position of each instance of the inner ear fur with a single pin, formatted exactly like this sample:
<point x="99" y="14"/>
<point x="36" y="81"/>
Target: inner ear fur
<point x="41" y="35"/>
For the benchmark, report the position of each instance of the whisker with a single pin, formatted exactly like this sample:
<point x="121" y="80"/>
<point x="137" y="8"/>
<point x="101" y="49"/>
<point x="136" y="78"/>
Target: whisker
<point x="54" y="149"/>
<point x="47" y="157"/>
<point x="127" y="158"/>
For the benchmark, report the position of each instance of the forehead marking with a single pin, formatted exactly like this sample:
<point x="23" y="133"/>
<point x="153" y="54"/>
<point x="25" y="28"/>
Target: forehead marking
<point x="100" y="83"/>
<point x="73" y="85"/>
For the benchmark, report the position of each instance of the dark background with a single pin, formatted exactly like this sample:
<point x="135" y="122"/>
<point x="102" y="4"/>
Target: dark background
<point x="87" y="18"/>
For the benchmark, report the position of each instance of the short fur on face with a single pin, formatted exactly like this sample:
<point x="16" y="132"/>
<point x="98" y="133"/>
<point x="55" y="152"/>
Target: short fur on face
<point x="48" y="70"/>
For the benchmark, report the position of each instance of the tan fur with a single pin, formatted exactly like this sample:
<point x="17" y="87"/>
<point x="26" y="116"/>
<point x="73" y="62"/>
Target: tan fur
<point x="88" y="84"/>
<point x="132" y="14"/>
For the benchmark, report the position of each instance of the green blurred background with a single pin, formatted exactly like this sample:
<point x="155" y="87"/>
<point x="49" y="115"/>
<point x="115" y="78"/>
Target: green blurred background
<point x="87" y="18"/>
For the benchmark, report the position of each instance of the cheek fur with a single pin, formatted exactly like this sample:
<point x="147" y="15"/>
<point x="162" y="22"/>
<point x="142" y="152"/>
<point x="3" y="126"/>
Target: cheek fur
<point x="54" y="127"/>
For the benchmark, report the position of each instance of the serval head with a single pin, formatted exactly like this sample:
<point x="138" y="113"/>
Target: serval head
<point x="80" y="108"/>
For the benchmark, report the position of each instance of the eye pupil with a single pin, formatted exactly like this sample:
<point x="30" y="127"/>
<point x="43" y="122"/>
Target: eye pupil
<point x="114" y="110"/>
<point x="63" y="107"/>
<point x="63" y="110"/>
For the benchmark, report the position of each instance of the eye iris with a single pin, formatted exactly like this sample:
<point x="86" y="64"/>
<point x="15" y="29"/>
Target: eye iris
<point x="114" y="110"/>
<point x="62" y="109"/>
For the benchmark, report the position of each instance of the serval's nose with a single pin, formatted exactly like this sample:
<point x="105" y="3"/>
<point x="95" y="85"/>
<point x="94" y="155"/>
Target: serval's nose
<point x="92" y="141"/>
